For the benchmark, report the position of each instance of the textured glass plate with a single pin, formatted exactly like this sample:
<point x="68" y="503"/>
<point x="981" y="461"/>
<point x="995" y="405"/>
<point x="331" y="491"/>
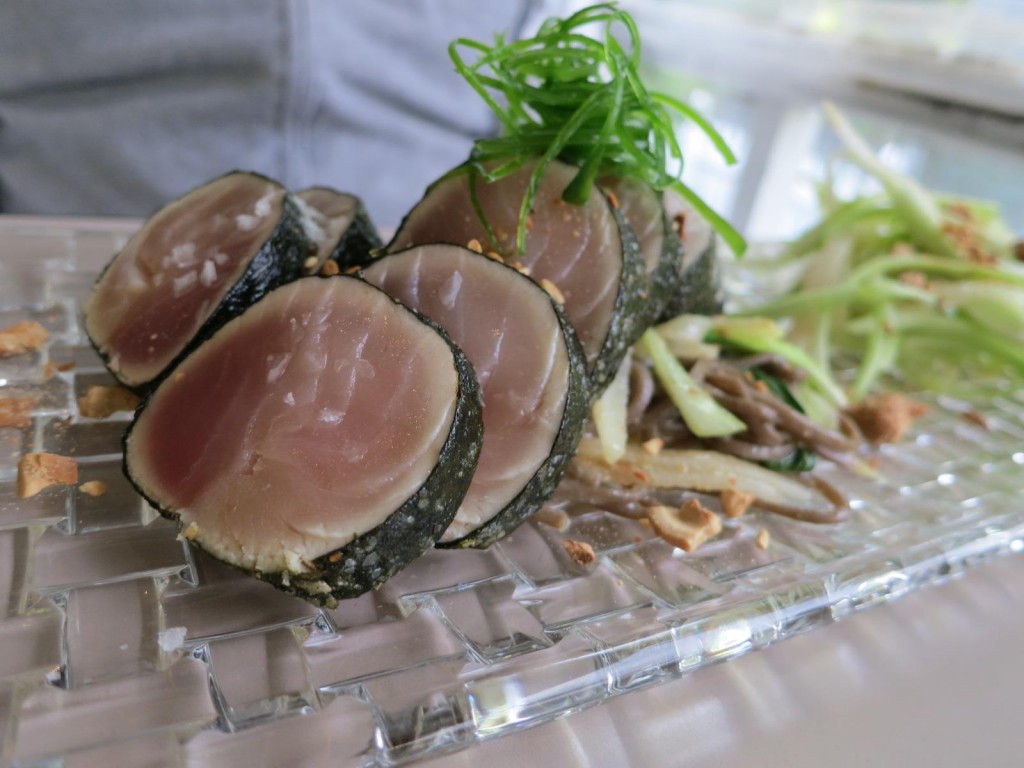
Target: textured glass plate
<point x="119" y="644"/>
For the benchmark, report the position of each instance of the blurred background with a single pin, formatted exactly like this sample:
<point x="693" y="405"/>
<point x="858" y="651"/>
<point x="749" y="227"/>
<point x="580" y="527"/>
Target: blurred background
<point x="936" y="85"/>
<point x="141" y="106"/>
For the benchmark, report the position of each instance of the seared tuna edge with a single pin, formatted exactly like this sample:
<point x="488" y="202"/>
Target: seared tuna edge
<point x="547" y="478"/>
<point x="629" y="318"/>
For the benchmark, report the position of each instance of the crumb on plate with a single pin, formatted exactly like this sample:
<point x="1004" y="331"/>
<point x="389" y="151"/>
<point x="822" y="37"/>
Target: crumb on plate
<point x="687" y="527"/>
<point x="977" y="418"/>
<point x="190" y="532"/>
<point x="763" y="539"/>
<point x="23" y="337"/>
<point x="885" y="417"/>
<point x="37" y="471"/>
<point x="330" y="268"/>
<point x="93" y="488"/>
<point x="101" y="401"/>
<point x="579" y="552"/>
<point x="16" y="411"/>
<point x="653" y="446"/>
<point x="735" y="503"/>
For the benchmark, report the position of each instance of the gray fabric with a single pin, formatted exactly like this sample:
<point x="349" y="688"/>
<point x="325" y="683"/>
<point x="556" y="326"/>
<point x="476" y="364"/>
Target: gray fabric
<point x="114" y="107"/>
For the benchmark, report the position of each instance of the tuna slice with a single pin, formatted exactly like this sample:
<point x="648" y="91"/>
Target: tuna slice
<point x="349" y="235"/>
<point x="321" y="440"/>
<point x="682" y="277"/>
<point x="530" y="367"/>
<point x="193" y="266"/>
<point x="586" y="253"/>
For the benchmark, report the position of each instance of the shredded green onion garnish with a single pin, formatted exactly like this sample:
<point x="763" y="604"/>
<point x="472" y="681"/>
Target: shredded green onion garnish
<point x="563" y="94"/>
<point x="906" y="280"/>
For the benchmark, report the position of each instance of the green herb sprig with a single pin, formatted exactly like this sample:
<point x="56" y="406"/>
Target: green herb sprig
<point x="563" y="94"/>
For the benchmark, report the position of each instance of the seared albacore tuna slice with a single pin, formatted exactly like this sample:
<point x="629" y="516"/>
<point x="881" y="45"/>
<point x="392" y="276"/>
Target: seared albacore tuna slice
<point x="348" y="233"/>
<point x="585" y="255"/>
<point x="530" y="367"/>
<point x="194" y="265"/>
<point x="321" y="440"/>
<point x="678" y="249"/>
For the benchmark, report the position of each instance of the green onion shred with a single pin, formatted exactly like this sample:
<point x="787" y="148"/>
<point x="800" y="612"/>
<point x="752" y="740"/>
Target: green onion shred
<point x="565" y="95"/>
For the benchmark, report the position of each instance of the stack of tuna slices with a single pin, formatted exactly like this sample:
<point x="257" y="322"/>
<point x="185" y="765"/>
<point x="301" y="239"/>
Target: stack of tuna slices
<point x="319" y="410"/>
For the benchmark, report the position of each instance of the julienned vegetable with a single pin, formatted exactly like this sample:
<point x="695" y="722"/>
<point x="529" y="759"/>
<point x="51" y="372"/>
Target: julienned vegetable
<point x="904" y="280"/>
<point x="711" y="472"/>
<point x="564" y="95"/>
<point x="703" y="416"/>
<point x="733" y="385"/>
<point x="759" y="334"/>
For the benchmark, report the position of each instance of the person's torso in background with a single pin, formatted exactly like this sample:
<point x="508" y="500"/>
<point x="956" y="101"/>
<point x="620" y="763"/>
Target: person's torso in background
<point x="116" y="107"/>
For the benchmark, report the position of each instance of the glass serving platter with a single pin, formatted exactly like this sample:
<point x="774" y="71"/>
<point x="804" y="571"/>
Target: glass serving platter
<point x="121" y="644"/>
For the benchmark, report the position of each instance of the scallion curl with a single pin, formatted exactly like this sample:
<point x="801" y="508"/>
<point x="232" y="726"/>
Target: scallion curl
<point x="563" y="94"/>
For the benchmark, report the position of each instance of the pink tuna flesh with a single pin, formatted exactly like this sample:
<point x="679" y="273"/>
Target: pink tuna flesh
<point x="337" y="211"/>
<point x="300" y="425"/>
<point x="509" y="331"/>
<point x="577" y="248"/>
<point x="175" y="271"/>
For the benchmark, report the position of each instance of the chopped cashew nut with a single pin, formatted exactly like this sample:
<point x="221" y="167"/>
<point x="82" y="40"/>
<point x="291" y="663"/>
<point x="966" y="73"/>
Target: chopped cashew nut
<point x="37" y="471"/>
<point x="16" y="411"/>
<point x="763" y="539"/>
<point x="20" y="338"/>
<point x="93" y="488"/>
<point x="99" y="402"/>
<point x="885" y="417"/>
<point x="687" y="527"/>
<point x="735" y="503"/>
<point x="580" y="552"/>
<point x="653" y="446"/>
